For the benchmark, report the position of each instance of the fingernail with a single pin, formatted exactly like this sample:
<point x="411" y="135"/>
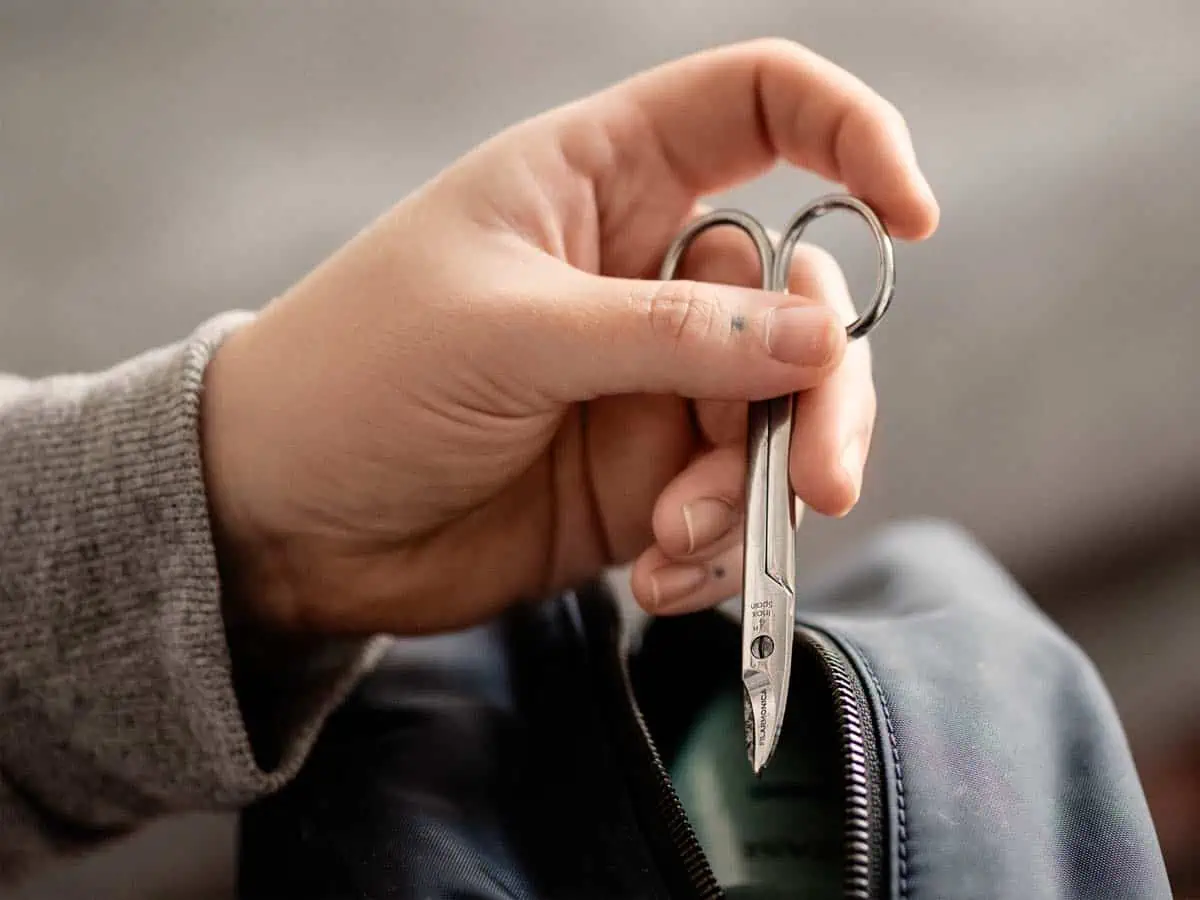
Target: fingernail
<point x="672" y="582"/>
<point x="854" y="458"/>
<point x="803" y="336"/>
<point x="706" y="520"/>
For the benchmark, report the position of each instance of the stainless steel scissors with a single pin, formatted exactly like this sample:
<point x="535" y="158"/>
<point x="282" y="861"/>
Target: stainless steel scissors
<point x="769" y="571"/>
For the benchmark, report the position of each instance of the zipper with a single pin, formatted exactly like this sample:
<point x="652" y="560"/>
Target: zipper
<point x="862" y="798"/>
<point x="690" y="876"/>
<point x="686" y="869"/>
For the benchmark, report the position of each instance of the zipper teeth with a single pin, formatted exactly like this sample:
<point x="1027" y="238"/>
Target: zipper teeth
<point x="859" y="848"/>
<point x="679" y="830"/>
<point x="857" y="779"/>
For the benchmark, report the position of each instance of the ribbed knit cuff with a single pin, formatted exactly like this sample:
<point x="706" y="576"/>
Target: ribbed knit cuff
<point x="116" y="686"/>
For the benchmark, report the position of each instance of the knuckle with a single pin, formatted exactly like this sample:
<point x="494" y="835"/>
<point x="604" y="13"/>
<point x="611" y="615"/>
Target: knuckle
<point x="772" y="47"/>
<point x="862" y="350"/>
<point x="859" y="378"/>
<point x="894" y="122"/>
<point x="682" y="313"/>
<point x="871" y="404"/>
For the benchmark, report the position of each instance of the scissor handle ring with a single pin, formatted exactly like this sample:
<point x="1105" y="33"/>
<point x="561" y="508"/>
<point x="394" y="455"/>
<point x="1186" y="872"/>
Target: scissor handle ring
<point x="777" y="262"/>
<point x="744" y="222"/>
<point x="885" y="284"/>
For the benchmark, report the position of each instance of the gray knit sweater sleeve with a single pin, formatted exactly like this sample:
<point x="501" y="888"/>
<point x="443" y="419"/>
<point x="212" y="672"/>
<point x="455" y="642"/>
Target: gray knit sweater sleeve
<point x="118" y="694"/>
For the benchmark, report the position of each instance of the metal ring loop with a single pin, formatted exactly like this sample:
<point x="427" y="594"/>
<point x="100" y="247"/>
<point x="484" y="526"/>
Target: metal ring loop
<point x="885" y="284"/>
<point x="744" y="222"/>
<point x="776" y="262"/>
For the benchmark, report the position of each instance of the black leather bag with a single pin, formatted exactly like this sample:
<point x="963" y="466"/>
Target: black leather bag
<point x="943" y="740"/>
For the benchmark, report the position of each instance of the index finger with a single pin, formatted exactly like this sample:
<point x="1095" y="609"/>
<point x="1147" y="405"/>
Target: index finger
<point x="723" y="116"/>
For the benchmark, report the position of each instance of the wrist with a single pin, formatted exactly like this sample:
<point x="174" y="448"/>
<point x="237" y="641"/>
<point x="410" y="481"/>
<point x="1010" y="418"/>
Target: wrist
<point x="249" y="558"/>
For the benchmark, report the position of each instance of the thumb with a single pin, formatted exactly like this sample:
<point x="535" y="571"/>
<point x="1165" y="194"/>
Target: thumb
<point x="693" y="339"/>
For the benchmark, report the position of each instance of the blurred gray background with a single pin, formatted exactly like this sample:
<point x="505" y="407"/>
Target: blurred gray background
<point x="1038" y="375"/>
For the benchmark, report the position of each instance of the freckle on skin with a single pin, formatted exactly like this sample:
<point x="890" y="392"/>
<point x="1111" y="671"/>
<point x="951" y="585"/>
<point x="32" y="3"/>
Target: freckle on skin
<point x="718" y="571"/>
<point x="738" y="323"/>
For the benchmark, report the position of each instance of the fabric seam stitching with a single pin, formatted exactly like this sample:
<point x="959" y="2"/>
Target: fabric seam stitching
<point x="901" y="806"/>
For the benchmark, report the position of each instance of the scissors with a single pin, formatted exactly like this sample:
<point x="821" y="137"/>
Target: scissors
<point x="769" y="555"/>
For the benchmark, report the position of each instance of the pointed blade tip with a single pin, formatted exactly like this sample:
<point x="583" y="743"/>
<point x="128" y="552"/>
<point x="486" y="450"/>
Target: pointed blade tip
<point x="762" y="760"/>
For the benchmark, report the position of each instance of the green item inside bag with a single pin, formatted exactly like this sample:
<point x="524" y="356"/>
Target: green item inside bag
<point x="779" y="835"/>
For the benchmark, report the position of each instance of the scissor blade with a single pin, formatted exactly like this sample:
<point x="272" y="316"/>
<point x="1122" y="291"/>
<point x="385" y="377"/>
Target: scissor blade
<point x="768" y="599"/>
<point x="762" y="718"/>
<point x="766" y="675"/>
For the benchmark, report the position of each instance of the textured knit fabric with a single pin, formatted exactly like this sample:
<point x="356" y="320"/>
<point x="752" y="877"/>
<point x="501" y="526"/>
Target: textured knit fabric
<point x="118" y="699"/>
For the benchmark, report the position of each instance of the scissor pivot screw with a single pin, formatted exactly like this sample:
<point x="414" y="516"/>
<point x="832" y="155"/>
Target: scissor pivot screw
<point x="762" y="646"/>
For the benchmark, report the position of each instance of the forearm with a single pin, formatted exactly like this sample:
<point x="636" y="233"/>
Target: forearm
<point x="118" y="691"/>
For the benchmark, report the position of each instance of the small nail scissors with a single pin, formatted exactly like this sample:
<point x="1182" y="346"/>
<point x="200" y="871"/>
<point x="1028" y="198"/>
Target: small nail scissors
<point x="769" y="572"/>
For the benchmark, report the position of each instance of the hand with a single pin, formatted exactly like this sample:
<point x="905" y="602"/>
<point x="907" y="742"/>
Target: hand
<point x="485" y="396"/>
